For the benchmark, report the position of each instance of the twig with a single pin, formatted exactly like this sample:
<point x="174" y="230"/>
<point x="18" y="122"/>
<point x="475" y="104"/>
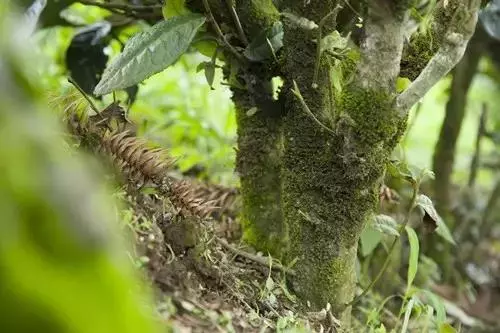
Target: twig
<point x="333" y="13"/>
<point x="391" y="248"/>
<point x="124" y="7"/>
<point x="92" y="105"/>
<point x="474" y="166"/>
<point x="306" y="109"/>
<point x="258" y="259"/>
<point x="237" y="22"/>
<point x="218" y="31"/>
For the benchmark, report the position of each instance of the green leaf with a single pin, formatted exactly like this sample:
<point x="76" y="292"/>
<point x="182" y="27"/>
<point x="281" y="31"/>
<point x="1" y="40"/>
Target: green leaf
<point x="414" y="251"/>
<point x="334" y="41"/>
<point x="174" y="8"/>
<point x="206" y="47"/>
<point x="267" y="43"/>
<point x="406" y="320"/>
<point x="426" y="204"/>
<point x="441" y="228"/>
<point x="443" y="231"/>
<point x="386" y="224"/>
<point x="150" y="52"/>
<point x="270" y="284"/>
<point x="438" y="305"/>
<point x="446" y="328"/>
<point x="402" y="83"/>
<point x="337" y="75"/>
<point x="369" y="239"/>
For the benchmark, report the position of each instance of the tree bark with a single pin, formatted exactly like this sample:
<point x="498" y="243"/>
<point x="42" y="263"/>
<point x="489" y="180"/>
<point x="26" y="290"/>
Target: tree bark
<point x="258" y="164"/>
<point x="330" y="178"/>
<point x="444" y="151"/>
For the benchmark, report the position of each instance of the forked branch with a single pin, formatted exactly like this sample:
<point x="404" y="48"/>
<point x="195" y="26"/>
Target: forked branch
<point x="449" y="54"/>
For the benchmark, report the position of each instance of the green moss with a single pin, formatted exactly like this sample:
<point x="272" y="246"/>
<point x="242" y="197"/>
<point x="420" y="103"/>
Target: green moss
<point x="374" y="116"/>
<point x="256" y="15"/>
<point x="417" y="54"/>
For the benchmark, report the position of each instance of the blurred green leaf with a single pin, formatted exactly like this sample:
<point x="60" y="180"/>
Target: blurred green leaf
<point x="446" y="328"/>
<point x="386" y="224"/>
<point x="414" y="254"/>
<point x="173" y="8"/>
<point x="369" y="239"/>
<point x="150" y="52"/>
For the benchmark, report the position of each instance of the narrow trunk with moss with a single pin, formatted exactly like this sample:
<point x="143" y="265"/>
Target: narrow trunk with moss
<point x="331" y="177"/>
<point x="444" y="152"/>
<point x="258" y="165"/>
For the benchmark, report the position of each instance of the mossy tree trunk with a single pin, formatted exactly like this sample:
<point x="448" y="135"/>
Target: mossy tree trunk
<point x="318" y="183"/>
<point x="331" y="178"/>
<point x="258" y="163"/>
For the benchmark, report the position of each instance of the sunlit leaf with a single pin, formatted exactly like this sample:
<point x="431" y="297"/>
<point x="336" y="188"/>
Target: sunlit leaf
<point x="446" y="328"/>
<point x="173" y="8"/>
<point x="267" y="43"/>
<point x="402" y="83"/>
<point x="414" y="252"/>
<point x="150" y="52"/>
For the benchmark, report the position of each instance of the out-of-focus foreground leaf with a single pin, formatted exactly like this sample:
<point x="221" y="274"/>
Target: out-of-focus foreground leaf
<point x="63" y="267"/>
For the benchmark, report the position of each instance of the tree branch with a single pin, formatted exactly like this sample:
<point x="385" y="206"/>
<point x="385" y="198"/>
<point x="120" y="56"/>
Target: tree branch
<point x="449" y="54"/>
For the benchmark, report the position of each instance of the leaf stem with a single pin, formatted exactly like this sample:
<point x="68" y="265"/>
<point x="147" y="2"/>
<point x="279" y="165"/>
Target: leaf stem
<point x="237" y="21"/>
<point x="218" y="31"/>
<point x="334" y="13"/>
<point x="306" y="109"/>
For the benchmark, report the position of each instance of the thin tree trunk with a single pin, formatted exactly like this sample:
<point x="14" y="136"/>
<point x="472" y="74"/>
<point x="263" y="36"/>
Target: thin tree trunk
<point x="330" y="177"/>
<point x="258" y="164"/>
<point x="444" y="152"/>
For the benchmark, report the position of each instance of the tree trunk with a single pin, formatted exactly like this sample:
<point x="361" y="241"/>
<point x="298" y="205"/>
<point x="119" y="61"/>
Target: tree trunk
<point x="258" y="164"/>
<point x="331" y="178"/>
<point x="444" y="152"/>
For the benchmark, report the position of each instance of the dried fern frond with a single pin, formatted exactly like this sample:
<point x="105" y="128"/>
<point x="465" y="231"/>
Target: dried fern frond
<point x="134" y="158"/>
<point x="223" y="197"/>
<point x="184" y="196"/>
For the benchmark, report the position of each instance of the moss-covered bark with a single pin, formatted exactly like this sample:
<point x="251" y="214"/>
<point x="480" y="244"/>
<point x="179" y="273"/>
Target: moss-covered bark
<point x="258" y="164"/>
<point x="330" y="180"/>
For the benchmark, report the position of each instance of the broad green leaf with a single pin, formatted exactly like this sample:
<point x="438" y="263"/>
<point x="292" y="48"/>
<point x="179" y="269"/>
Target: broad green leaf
<point x="443" y="231"/>
<point x="406" y="319"/>
<point x="150" y="52"/>
<point x="402" y="83"/>
<point x="370" y="238"/>
<point x="386" y="224"/>
<point x="174" y="8"/>
<point x="414" y="251"/>
<point x="446" y="328"/>
<point x="209" y="68"/>
<point x="267" y="43"/>
<point x="207" y="47"/>
<point x="334" y="41"/>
